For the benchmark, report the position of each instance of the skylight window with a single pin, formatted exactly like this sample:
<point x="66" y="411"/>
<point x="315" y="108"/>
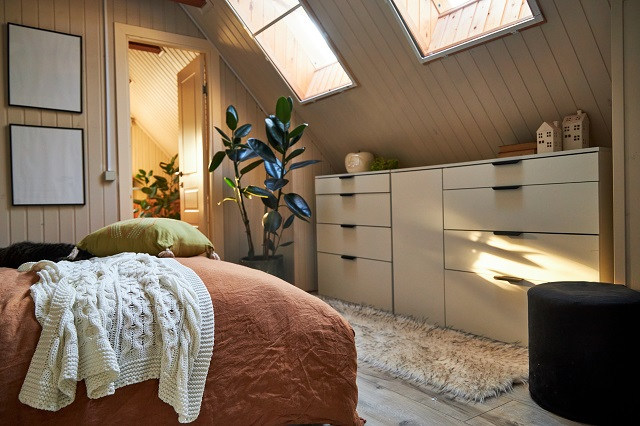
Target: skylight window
<point x="295" y="45"/>
<point x="439" y="28"/>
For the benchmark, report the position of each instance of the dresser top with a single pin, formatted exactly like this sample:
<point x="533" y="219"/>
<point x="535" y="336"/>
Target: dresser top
<point x="487" y="161"/>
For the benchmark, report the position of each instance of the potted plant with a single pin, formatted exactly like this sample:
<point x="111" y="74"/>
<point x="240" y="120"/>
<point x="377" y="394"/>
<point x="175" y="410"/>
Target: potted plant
<point x="238" y="153"/>
<point x="163" y="195"/>
<point x="278" y="163"/>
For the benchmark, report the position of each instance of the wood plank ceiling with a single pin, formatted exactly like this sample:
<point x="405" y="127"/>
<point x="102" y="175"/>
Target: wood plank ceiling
<point x="153" y="88"/>
<point x="458" y="108"/>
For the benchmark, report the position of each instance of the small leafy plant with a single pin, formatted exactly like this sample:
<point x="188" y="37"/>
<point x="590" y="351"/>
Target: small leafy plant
<point x="163" y="194"/>
<point x="381" y="163"/>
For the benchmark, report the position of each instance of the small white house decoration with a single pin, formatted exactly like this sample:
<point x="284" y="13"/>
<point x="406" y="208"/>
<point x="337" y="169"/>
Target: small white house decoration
<point x="549" y="137"/>
<point x="576" y="131"/>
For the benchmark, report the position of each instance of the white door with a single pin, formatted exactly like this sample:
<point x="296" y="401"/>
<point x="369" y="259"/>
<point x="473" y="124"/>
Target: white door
<point x="192" y="131"/>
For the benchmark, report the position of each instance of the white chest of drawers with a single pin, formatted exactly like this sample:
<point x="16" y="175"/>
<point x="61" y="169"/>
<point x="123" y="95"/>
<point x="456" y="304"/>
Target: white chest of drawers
<point x="354" y="238"/>
<point x="516" y="223"/>
<point x="460" y="244"/>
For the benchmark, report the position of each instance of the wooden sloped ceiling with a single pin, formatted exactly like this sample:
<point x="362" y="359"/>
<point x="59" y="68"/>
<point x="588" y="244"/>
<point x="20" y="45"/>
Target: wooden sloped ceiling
<point x="459" y="108"/>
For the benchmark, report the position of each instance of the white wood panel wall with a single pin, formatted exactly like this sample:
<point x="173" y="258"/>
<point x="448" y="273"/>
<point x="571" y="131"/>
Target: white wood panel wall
<point x="84" y="18"/>
<point x="626" y="141"/>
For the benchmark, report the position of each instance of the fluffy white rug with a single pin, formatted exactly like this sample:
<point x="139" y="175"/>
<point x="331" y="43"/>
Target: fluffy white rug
<point x="467" y="366"/>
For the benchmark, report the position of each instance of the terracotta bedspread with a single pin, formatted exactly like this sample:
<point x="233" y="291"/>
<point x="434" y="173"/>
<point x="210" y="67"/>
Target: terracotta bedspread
<point x="281" y="356"/>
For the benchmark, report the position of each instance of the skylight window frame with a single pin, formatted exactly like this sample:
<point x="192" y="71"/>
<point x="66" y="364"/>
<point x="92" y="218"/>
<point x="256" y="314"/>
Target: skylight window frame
<point x="301" y="4"/>
<point x="535" y="19"/>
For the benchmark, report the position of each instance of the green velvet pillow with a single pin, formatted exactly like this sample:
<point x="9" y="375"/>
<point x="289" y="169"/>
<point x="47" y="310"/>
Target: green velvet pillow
<point x="148" y="235"/>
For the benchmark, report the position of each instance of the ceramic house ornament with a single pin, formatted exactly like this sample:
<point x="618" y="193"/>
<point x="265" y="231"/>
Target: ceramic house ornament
<point x="549" y="137"/>
<point x="575" y="130"/>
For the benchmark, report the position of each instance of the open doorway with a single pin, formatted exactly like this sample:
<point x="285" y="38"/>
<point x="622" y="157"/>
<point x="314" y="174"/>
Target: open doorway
<point x="124" y="126"/>
<point x="155" y="128"/>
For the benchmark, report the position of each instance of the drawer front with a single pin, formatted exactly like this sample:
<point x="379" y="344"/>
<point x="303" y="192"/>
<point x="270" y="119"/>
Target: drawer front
<point x="359" y="280"/>
<point x="543" y="257"/>
<point x="353" y="184"/>
<point x="361" y="241"/>
<point x="481" y="305"/>
<point x="356" y="209"/>
<point x="533" y="171"/>
<point x="560" y="208"/>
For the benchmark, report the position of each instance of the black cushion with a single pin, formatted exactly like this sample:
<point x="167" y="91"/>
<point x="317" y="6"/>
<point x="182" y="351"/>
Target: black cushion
<point x="581" y="363"/>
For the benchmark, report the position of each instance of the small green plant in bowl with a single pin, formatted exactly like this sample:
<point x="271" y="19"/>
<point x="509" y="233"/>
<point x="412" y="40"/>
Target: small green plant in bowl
<point x="381" y="163"/>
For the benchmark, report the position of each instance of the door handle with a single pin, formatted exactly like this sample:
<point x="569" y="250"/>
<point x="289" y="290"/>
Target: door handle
<point x="508" y="233"/>
<point x="506" y="187"/>
<point x="505" y="162"/>
<point x="509" y="279"/>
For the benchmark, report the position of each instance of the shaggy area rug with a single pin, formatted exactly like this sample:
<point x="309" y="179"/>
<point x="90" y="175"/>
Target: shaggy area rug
<point x="464" y="365"/>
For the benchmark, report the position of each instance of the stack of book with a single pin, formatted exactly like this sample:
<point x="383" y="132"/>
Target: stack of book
<point x="517" y="149"/>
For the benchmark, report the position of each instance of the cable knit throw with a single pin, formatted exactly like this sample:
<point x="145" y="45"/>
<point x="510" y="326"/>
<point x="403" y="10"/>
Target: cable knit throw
<point x="120" y="320"/>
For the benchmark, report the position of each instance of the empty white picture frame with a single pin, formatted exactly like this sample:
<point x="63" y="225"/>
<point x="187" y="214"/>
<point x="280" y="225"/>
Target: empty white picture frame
<point x="45" y="69"/>
<point x="47" y="165"/>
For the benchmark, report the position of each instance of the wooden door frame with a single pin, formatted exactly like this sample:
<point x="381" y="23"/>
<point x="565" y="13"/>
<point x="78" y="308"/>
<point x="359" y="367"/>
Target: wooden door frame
<point x="123" y="33"/>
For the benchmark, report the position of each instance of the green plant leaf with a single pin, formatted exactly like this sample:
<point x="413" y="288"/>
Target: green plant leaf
<point x="216" y="160"/>
<point x="275" y="133"/>
<point x="298" y="131"/>
<point x="225" y="138"/>
<point x="243" y="130"/>
<point x="262" y="150"/>
<point x="294" y="154"/>
<point x="274" y="169"/>
<point x="297" y="205"/>
<point x="284" y="107"/>
<point x="251" y="166"/>
<point x="270" y="201"/>
<point x="274" y="184"/>
<point x="302" y="164"/>
<point x="271" y="221"/>
<point x="288" y="222"/>
<point x="232" y="117"/>
<point x="230" y="182"/>
<point x="257" y="191"/>
<point x="288" y="243"/>
<point x="246" y="154"/>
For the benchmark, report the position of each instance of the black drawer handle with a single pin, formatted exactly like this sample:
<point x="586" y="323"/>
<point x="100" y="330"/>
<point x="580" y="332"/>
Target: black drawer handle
<point x="347" y="225"/>
<point x="347" y="257"/>
<point x="345" y="177"/>
<point x="504" y="163"/>
<point x="508" y="233"/>
<point x="347" y="194"/>
<point x="509" y="279"/>
<point x="506" y="187"/>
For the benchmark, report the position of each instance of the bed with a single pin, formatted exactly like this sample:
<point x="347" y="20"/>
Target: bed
<point x="281" y="356"/>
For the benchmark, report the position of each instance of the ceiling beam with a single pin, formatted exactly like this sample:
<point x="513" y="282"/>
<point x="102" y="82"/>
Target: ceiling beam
<point x="145" y="47"/>
<point x="196" y="3"/>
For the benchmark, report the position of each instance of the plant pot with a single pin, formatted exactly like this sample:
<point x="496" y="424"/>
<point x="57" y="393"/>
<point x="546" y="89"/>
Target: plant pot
<point x="273" y="265"/>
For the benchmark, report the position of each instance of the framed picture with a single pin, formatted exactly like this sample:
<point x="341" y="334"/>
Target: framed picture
<point x="47" y="165"/>
<point x="45" y="69"/>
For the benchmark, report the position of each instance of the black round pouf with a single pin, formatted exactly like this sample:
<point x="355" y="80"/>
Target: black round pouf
<point x="581" y="363"/>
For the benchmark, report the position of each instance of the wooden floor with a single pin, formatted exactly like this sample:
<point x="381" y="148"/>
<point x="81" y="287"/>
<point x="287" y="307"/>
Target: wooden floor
<point x="386" y="401"/>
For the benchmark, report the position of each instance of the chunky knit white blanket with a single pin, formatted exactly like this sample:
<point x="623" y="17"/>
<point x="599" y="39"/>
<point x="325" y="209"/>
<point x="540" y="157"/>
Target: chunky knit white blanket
<point x="120" y="320"/>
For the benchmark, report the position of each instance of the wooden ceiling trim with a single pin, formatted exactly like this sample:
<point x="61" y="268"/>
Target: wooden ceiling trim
<point x="195" y="3"/>
<point x="145" y="47"/>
